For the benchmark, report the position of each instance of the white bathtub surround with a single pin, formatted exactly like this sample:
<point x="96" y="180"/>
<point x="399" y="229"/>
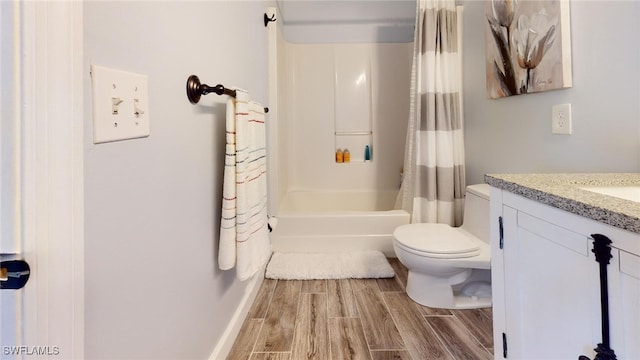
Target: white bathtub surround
<point x="326" y="96"/>
<point x="244" y="236"/>
<point x="337" y="201"/>
<point x="343" y="265"/>
<point x="323" y="221"/>
<point x="433" y="186"/>
<point x="318" y="83"/>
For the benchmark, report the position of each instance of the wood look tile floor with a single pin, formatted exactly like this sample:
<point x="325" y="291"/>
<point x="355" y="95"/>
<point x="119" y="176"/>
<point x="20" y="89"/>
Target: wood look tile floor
<point x="357" y="319"/>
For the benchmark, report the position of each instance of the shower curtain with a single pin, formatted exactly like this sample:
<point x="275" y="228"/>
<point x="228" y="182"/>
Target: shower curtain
<point x="434" y="173"/>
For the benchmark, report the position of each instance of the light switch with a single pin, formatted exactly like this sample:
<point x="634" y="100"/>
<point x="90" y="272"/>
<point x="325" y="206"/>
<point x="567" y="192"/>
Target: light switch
<point x="115" y="103"/>
<point x="120" y="105"/>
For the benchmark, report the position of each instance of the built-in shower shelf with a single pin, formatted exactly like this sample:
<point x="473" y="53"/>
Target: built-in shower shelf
<point x="355" y="162"/>
<point x="352" y="133"/>
<point x="355" y="142"/>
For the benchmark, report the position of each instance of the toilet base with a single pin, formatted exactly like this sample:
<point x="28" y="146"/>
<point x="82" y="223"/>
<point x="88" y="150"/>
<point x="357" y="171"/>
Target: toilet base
<point x="451" y="293"/>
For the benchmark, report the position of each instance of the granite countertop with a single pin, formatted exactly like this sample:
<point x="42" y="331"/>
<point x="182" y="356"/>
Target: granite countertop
<point x="563" y="191"/>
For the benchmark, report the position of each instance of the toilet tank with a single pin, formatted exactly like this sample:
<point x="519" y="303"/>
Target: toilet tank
<point x="476" y="211"/>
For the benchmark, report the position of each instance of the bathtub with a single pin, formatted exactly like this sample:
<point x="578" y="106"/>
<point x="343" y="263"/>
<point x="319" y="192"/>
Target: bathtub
<point x="315" y="221"/>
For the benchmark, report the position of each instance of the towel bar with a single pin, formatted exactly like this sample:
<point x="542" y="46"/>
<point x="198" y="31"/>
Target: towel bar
<point x="195" y="89"/>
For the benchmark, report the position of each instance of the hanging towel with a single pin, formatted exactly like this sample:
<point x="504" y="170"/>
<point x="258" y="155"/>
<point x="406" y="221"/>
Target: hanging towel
<point x="244" y="236"/>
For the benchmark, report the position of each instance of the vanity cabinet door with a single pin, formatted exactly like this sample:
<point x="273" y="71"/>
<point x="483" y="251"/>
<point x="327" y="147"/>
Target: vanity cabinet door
<point x="624" y="304"/>
<point x="551" y="290"/>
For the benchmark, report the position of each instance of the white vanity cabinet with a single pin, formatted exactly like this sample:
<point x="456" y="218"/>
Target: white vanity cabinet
<point x="626" y="304"/>
<point x="546" y="283"/>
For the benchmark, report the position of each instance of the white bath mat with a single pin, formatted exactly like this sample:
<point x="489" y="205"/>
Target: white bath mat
<point x="308" y="266"/>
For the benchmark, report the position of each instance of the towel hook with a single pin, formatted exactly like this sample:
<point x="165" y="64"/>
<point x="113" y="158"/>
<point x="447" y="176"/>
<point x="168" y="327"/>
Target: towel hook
<point x="268" y="19"/>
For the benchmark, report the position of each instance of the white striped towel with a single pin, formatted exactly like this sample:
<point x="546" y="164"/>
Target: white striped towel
<point x="244" y="236"/>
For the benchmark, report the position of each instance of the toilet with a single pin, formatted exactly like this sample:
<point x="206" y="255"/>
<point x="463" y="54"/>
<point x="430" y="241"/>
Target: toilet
<point x="449" y="267"/>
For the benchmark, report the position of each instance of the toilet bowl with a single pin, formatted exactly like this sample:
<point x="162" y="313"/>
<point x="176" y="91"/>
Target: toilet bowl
<point x="449" y="267"/>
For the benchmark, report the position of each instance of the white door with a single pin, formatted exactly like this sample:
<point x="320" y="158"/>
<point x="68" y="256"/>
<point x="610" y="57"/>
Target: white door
<point x="9" y="218"/>
<point x="41" y="178"/>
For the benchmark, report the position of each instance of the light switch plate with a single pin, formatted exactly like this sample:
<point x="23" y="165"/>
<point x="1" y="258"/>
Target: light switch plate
<point x="120" y="105"/>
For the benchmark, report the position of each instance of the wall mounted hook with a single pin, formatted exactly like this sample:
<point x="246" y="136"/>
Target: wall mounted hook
<point x="268" y="19"/>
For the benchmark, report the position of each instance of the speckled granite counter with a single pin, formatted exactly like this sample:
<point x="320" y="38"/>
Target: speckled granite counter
<point x="563" y="191"/>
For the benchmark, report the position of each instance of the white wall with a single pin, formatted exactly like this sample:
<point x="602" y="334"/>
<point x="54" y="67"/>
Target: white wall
<point x="514" y="134"/>
<point x="310" y="116"/>
<point x="153" y="289"/>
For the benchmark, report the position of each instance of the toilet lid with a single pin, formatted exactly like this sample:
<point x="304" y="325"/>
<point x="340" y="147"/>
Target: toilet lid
<point x="436" y="240"/>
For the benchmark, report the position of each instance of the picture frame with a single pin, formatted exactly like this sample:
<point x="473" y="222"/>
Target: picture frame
<point x="528" y="46"/>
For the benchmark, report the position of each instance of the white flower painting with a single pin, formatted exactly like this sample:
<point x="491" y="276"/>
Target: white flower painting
<point x="528" y="46"/>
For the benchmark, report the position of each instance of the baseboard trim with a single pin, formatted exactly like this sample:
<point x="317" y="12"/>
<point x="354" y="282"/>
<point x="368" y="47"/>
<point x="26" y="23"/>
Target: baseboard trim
<point x="222" y="349"/>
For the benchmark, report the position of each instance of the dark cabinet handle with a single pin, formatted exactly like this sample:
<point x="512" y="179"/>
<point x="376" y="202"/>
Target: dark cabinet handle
<point x="602" y="250"/>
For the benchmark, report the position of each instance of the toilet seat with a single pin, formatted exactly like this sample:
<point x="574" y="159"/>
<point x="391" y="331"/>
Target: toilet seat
<point x="439" y="241"/>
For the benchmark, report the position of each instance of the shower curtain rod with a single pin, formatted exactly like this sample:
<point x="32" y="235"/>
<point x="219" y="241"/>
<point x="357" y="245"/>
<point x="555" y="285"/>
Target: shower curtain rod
<point x="195" y="89"/>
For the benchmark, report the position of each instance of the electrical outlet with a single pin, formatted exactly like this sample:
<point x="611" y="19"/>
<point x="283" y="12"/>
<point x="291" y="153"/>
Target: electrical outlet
<point x="120" y="105"/>
<point x="561" y="119"/>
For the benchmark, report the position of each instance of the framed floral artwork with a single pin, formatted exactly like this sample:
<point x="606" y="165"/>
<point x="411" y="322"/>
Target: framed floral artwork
<point x="528" y="46"/>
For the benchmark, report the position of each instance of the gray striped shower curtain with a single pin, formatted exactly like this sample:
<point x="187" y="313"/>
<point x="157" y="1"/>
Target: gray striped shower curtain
<point x="434" y="171"/>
